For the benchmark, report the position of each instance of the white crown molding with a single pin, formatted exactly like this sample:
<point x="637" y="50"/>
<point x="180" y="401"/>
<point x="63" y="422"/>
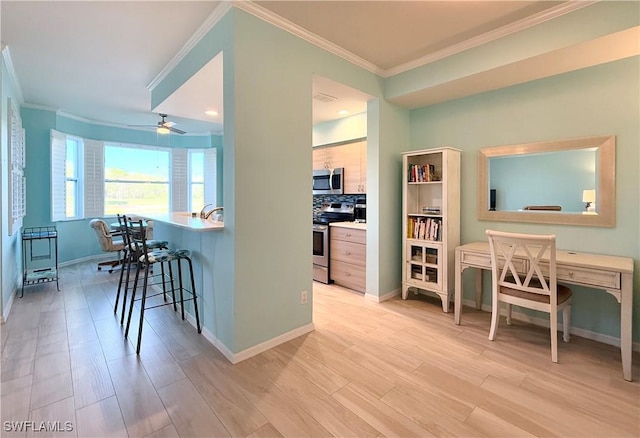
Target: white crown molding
<point x="6" y="55"/>
<point x="276" y="20"/>
<point x="211" y="21"/>
<point x="109" y="124"/>
<point x="525" y="23"/>
<point x="300" y="32"/>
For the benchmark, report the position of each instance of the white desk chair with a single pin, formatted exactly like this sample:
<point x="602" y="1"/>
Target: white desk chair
<point x="536" y="289"/>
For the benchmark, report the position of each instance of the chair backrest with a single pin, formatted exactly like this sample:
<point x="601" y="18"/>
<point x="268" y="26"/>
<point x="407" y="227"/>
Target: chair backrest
<point x="510" y="250"/>
<point x="103" y="234"/>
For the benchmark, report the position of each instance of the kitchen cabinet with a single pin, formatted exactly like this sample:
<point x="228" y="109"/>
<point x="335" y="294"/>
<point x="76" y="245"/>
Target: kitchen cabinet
<point x="348" y="255"/>
<point x="350" y="156"/>
<point x="431" y="221"/>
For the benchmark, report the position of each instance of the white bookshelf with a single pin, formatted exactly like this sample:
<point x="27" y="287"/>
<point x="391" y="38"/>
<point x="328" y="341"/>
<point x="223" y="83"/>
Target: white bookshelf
<point x="431" y="221"/>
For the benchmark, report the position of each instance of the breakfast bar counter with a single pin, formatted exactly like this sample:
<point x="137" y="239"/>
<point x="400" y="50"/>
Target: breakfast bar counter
<point x="203" y="238"/>
<point x="186" y="220"/>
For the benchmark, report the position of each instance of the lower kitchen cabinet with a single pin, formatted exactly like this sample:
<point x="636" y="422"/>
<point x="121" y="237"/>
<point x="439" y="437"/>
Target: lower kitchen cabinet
<point x="348" y="256"/>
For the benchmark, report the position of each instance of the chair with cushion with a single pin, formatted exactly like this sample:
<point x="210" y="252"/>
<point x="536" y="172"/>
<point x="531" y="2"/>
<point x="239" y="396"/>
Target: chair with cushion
<point x="107" y="242"/>
<point x="536" y="288"/>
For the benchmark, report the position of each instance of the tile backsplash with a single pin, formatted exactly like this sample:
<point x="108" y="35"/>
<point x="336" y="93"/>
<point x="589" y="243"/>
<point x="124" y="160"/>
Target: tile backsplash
<point x="318" y="200"/>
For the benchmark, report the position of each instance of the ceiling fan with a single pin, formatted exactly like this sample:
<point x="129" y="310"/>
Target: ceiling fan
<point x="163" y="126"/>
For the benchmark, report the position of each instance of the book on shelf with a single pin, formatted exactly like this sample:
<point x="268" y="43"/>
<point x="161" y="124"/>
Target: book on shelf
<point x="424" y="228"/>
<point x="422" y="173"/>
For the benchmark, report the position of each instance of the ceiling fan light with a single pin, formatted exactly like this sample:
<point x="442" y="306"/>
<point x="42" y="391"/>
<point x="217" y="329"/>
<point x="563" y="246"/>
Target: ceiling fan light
<point x="162" y="130"/>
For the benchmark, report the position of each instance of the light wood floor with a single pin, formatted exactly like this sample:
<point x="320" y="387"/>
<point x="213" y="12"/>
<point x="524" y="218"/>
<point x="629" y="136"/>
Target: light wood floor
<point x="399" y="368"/>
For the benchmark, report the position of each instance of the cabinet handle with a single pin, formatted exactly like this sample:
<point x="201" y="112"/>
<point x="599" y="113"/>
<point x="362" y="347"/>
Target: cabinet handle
<point x="347" y="274"/>
<point x="571" y="274"/>
<point x="347" y="253"/>
<point x="348" y="234"/>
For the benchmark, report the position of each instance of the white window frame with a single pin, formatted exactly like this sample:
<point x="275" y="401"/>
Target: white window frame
<point x="79" y="177"/>
<point x="92" y="181"/>
<point x="191" y="182"/>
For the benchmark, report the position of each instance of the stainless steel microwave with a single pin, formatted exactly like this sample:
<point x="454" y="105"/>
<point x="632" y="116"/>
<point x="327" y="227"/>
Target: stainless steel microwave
<point x="328" y="181"/>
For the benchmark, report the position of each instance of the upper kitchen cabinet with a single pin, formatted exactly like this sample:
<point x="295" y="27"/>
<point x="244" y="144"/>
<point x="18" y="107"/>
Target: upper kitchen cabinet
<point x="350" y="156"/>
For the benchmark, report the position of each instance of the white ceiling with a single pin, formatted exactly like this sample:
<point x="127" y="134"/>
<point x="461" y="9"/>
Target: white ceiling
<point x="96" y="59"/>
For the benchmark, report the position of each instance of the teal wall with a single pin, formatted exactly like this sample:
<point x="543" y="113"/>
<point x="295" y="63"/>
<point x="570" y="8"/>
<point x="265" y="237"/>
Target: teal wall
<point x="596" y="101"/>
<point x="335" y="131"/>
<point x="267" y="164"/>
<point x="76" y="239"/>
<point x="11" y="263"/>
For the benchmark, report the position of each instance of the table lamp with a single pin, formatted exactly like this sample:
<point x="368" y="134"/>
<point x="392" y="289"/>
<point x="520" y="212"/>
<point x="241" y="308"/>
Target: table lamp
<point x="589" y="197"/>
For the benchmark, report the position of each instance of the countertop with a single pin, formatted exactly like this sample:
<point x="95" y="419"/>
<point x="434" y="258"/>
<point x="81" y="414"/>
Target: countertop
<point x="184" y="220"/>
<point x="354" y="225"/>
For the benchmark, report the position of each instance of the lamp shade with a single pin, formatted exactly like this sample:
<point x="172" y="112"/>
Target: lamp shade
<point x="589" y="195"/>
<point x="162" y="130"/>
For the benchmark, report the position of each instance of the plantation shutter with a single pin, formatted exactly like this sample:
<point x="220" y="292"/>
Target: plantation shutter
<point x="179" y="180"/>
<point x="210" y="170"/>
<point x="93" y="178"/>
<point x="58" y="176"/>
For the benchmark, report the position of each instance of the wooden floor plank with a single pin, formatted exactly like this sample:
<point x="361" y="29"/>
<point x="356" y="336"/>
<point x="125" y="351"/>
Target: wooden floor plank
<point x="396" y="368"/>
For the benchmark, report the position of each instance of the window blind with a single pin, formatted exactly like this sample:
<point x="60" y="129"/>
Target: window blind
<point x="93" y="178"/>
<point x="179" y="180"/>
<point x="58" y="175"/>
<point x="210" y="164"/>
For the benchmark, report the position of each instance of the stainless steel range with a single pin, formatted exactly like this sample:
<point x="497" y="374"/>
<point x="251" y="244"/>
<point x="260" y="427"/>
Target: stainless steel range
<point x="329" y="212"/>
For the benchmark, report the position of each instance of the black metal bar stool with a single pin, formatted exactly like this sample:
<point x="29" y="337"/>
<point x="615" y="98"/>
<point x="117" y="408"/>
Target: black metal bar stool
<point x="148" y="258"/>
<point x="132" y="252"/>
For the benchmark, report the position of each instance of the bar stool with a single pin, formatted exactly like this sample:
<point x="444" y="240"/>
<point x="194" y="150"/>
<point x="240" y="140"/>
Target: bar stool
<point x="162" y="256"/>
<point x="131" y="255"/>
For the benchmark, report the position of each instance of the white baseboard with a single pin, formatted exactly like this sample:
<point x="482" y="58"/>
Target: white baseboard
<point x="97" y="257"/>
<point x="6" y="310"/>
<point x="251" y="351"/>
<point x="385" y="297"/>
<point x="543" y="322"/>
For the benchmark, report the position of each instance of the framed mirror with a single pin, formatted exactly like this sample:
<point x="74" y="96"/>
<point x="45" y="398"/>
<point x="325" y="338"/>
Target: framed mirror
<point x="568" y="182"/>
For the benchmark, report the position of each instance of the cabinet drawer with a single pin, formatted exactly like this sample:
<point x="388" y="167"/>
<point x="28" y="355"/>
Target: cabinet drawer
<point x="349" y="275"/>
<point x="349" y="234"/>
<point x="588" y="277"/>
<point x="349" y="252"/>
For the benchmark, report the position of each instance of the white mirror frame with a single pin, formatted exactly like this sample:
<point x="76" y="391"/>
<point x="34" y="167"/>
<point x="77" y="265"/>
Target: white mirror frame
<point x="606" y="213"/>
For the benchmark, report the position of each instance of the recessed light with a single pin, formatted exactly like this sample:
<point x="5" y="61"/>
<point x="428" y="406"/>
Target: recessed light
<point x="211" y="113"/>
<point x="343" y="112"/>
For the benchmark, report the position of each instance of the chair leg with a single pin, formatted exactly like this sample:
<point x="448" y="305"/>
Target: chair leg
<point x="566" y="323"/>
<point x="126" y="287"/>
<point x="509" y="306"/>
<point x="181" y="288"/>
<point x="173" y="289"/>
<point x="133" y="297"/>
<point x="115" y="306"/>
<point x="554" y="336"/>
<point x="142" y="305"/>
<point x="495" y="316"/>
<point x="195" y="296"/>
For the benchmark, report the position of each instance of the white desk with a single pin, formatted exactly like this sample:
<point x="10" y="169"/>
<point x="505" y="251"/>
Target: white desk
<point x="611" y="274"/>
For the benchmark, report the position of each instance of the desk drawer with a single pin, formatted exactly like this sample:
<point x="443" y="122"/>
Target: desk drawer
<point x="483" y="260"/>
<point x="585" y="276"/>
<point x="589" y="277"/>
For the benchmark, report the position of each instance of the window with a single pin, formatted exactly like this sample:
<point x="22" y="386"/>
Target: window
<point x="72" y="204"/>
<point x="136" y="180"/>
<point x="196" y="180"/>
<point x="91" y="178"/>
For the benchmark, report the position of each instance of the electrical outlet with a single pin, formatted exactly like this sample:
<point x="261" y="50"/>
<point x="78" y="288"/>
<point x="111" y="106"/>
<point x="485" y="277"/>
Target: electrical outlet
<point x="304" y="297"/>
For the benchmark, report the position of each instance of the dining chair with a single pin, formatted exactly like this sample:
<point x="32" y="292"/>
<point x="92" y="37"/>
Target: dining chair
<point x="107" y="242"/>
<point x="523" y="268"/>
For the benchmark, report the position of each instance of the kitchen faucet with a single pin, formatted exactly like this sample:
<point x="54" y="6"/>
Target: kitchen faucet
<point x="202" y="212"/>
<point x="213" y="210"/>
